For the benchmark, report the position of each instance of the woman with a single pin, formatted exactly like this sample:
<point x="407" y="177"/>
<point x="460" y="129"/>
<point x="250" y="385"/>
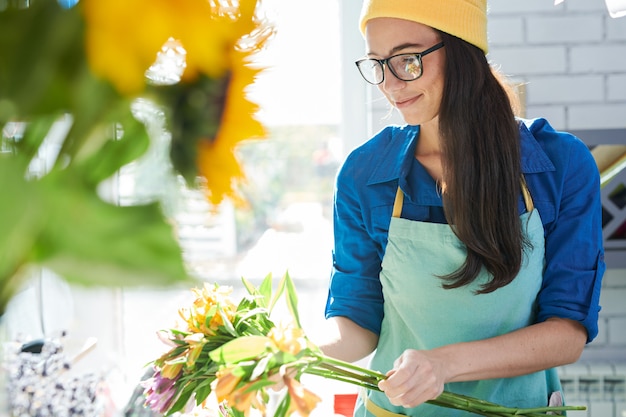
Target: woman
<point x="468" y="245"/>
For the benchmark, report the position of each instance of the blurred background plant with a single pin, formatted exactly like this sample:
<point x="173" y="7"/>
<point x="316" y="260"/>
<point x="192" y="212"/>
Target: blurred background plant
<point x="80" y="78"/>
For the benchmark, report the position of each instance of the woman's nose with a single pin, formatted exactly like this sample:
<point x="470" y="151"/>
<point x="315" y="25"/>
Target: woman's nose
<point x="390" y="81"/>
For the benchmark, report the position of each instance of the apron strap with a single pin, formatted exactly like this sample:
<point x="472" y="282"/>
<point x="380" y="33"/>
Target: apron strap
<point x="376" y="409"/>
<point x="397" y="204"/>
<point x="528" y="200"/>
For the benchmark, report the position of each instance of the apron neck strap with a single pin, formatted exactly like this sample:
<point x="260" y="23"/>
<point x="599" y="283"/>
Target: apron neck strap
<point x="397" y="204"/>
<point x="528" y="200"/>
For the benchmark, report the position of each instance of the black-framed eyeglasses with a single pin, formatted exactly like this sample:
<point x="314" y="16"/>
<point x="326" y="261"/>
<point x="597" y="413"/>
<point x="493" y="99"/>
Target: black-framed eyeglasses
<point x="405" y="67"/>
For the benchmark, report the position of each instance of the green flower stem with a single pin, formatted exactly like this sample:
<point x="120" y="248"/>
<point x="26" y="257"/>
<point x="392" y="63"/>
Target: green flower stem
<point x="338" y="377"/>
<point x="359" y="377"/>
<point x="338" y="370"/>
<point x="346" y="365"/>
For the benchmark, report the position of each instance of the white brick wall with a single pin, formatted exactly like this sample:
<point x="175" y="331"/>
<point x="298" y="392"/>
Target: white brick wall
<point x="571" y="56"/>
<point x="610" y="345"/>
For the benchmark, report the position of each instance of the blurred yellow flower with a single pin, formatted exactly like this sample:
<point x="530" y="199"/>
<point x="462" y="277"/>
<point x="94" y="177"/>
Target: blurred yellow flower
<point x="242" y="398"/>
<point x="303" y="400"/>
<point x="211" y="307"/>
<point x="219" y="38"/>
<point x="217" y="161"/>
<point x="171" y="369"/>
<point x="123" y="37"/>
<point x="225" y="383"/>
<point x="288" y="338"/>
<point x="196" y="342"/>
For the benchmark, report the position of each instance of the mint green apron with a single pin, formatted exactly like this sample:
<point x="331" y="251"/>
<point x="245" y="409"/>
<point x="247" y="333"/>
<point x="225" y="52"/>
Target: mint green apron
<point x="420" y="314"/>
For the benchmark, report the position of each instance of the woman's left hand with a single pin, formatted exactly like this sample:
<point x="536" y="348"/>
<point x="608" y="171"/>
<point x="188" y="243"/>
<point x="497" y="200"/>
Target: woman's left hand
<point x="415" y="379"/>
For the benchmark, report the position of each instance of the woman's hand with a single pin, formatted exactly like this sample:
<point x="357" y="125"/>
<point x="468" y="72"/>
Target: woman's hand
<point x="414" y="379"/>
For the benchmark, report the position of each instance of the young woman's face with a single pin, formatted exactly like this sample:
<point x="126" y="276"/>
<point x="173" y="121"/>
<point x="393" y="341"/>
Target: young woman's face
<point x="418" y="101"/>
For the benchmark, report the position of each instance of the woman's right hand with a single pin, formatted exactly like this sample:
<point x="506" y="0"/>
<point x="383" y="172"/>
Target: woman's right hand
<point x="415" y="378"/>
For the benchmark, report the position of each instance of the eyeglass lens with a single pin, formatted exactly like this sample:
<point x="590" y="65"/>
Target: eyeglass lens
<point x="407" y="67"/>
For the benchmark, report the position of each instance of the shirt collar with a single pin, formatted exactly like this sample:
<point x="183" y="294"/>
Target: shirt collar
<point x="397" y="156"/>
<point x="395" y="160"/>
<point x="534" y="159"/>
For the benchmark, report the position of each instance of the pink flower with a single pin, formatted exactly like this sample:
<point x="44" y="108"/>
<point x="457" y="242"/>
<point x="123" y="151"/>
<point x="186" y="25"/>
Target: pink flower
<point x="160" y="392"/>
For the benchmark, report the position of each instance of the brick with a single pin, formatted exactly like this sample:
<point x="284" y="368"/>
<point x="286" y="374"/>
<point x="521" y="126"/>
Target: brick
<point x="602" y="337"/>
<point x="616" y="327"/>
<point x="597" y="116"/>
<point x="614" y="278"/>
<point x="573" y="29"/>
<point x="530" y="60"/>
<point x="565" y="89"/>
<point x="616" y="87"/>
<point x="585" y="6"/>
<point x="506" y="30"/>
<point x="554" y="114"/>
<point x="612" y="302"/>
<point x="615" y="29"/>
<point x="497" y="7"/>
<point x="598" y="58"/>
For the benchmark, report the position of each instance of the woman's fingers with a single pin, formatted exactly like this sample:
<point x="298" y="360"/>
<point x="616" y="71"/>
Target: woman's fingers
<point x="413" y="380"/>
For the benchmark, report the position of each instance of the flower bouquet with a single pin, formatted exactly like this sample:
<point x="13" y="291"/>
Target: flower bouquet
<point x="237" y="353"/>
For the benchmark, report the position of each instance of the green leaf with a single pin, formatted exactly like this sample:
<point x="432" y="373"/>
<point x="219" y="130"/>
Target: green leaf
<point x="242" y="348"/>
<point x="265" y="289"/>
<point x="254" y="292"/>
<point x="181" y="401"/>
<point x="41" y="57"/>
<point x="36" y="131"/>
<point x="21" y="220"/>
<point x="114" y="153"/>
<point x="261" y="367"/>
<point x="228" y="326"/>
<point x="279" y="293"/>
<point x="283" y="407"/>
<point x="90" y="242"/>
<point x="292" y="298"/>
<point x="203" y="390"/>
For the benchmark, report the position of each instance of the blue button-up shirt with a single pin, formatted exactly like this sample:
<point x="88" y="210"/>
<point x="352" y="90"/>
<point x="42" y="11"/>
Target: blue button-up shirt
<point x="564" y="183"/>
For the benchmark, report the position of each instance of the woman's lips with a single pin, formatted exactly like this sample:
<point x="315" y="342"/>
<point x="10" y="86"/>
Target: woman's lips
<point x="406" y="102"/>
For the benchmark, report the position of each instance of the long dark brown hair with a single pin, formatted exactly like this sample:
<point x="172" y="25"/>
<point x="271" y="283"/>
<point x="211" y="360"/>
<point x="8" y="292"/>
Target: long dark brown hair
<point x="481" y="165"/>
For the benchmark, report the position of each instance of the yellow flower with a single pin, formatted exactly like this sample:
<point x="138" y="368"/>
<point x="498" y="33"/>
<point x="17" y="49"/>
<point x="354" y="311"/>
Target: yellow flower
<point x="123" y="37"/>
<point x="288" y="338"/>
<point x="219" y="37"/>
<point x="211" y="306"/>
<point x="171" y="370"/>
<point x="225" y="383"/>
<point x="196" y="342"/>
<point x="217" y="162"/>
<point x="242" y="398"/>
<point x="303" y="401"/>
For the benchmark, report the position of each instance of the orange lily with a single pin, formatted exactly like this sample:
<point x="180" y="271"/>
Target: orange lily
<point x="302" y="400"/>
<point x="203" y="316"/>
<point x="196" y="342"/>
<point x="242" y="398"/>
<point x="171" y="370"/>
<point x="288" y="338"/>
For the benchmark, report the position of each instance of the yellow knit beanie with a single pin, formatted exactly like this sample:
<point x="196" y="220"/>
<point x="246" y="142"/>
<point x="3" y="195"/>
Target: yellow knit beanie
<point x="465" y="19"/>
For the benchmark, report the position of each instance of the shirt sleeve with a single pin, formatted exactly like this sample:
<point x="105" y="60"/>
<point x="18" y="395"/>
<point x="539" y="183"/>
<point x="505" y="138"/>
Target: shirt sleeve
<point x="574" y="245"/>
<point x="355" y="291"/>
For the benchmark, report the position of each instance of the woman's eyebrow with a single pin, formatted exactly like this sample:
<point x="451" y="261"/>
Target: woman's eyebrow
<point x="400" y="47"/>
